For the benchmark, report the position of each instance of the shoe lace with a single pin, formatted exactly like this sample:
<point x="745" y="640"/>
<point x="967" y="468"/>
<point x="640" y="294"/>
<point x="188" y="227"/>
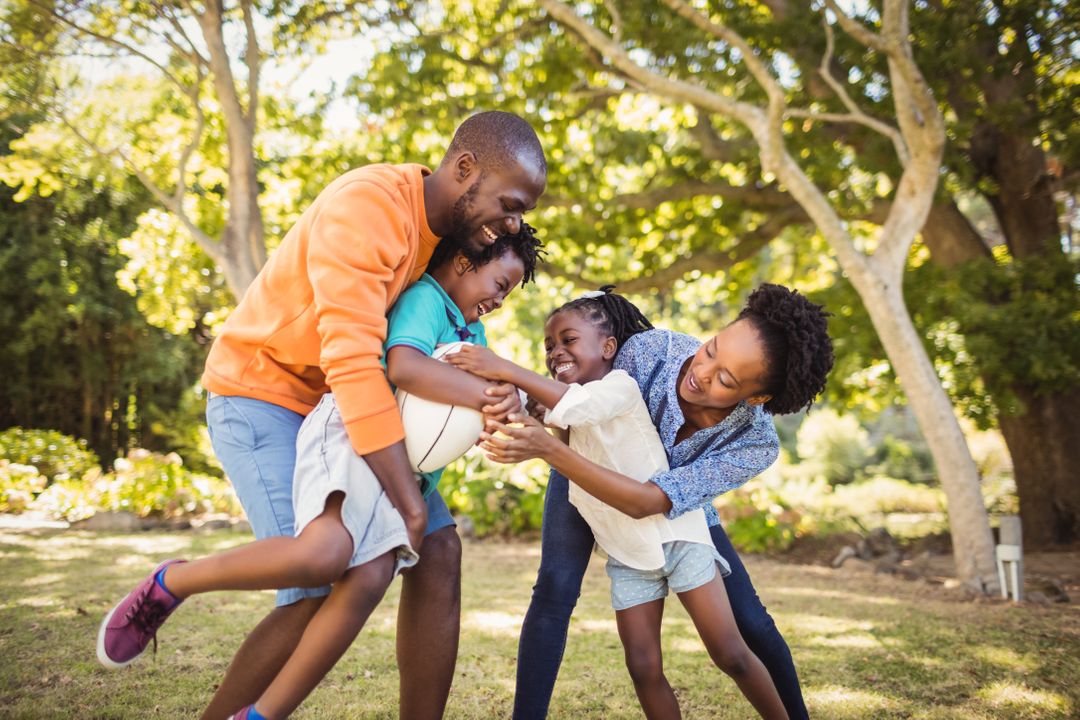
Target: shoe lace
<point x="147" y="615"/>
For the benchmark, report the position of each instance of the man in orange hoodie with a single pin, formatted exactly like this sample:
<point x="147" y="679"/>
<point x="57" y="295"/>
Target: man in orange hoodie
<point x="314" y="320"/>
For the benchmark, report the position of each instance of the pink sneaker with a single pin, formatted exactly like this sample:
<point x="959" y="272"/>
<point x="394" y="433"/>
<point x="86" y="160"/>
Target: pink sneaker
<point x="131" y="625"/>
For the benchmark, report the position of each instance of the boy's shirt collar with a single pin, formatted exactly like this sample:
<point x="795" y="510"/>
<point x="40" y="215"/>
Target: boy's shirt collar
<point x="465" y="331"/>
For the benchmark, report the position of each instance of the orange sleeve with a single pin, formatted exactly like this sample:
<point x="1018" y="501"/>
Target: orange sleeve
<point x="355" y="245"/>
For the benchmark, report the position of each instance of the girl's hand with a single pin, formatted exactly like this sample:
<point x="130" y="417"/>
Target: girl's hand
<point x="506" y="444"/>
<point x="480" y="361"/>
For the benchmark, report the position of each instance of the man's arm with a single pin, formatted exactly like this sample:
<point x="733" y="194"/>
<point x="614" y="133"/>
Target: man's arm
<point x="391" y="466"/>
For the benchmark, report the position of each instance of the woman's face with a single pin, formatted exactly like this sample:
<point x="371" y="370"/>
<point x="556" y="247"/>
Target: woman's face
<point x="726" y="370"/>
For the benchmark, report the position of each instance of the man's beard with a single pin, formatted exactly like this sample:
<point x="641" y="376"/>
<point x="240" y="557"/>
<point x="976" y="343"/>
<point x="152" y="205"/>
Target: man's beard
<point x="461" y="235"/>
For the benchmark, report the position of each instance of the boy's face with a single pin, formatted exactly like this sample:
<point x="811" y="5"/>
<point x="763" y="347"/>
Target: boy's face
<point x="494" y="201"/>
<point x="726" y="369"/>
<point x="483" y="289"/>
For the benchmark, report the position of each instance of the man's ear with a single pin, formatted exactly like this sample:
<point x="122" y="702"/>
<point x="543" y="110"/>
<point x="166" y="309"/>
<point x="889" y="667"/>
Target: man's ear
<point x="758" y="399"/>
<point x="609" y="348"/>
<point x="464" y="166"/>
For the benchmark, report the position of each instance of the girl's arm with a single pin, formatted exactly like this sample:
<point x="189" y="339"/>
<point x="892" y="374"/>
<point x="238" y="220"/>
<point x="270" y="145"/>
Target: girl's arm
<point x="530" y="440"/>
<point x="482" y="361"/>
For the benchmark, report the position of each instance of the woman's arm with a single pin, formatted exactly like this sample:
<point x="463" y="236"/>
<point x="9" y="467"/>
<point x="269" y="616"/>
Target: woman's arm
<point x="530" y="440"/>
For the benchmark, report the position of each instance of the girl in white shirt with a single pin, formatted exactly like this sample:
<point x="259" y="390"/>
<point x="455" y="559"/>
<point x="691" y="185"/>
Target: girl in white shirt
<point x="609" y="424"/>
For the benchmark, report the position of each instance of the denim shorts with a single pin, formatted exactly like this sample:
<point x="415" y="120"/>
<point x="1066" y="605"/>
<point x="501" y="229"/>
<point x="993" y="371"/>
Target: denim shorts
<point x="255" y="441"/>
<point x="687" y="565"/>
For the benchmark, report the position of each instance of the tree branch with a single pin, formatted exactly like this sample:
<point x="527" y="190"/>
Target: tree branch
<point x="253" y="62"/>
<point x="763" y="198"/>
<point x="704" y="261"/>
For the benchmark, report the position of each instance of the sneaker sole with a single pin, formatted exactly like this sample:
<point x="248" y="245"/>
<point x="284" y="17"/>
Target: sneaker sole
<point x="103" y="657"/>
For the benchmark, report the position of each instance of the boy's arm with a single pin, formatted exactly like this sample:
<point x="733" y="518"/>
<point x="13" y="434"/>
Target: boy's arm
<point x="423" y="376"/>
<point x="623" y="493"/>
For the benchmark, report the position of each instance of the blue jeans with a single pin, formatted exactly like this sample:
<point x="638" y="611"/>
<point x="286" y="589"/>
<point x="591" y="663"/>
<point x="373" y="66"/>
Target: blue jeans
<point x="255" y="441"/>
<point x="566" y="544"/>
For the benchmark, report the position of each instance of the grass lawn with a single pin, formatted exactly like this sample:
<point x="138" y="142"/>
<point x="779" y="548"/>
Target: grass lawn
<point x="866" y="646"/>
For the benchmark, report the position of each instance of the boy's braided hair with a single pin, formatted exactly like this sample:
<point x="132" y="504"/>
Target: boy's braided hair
<point x="798" y="350"/>
<point x="611" y="313"/>
<point x="523" y="243"/>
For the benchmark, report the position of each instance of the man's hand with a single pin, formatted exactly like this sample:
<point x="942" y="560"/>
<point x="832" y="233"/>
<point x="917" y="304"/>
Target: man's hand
<point x="391" y="467"/>
<point x="509" y="444"/>
<point x="481" y="361"/>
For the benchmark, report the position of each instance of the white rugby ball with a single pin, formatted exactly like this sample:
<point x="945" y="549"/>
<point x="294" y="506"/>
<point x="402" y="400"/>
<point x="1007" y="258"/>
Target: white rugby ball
<point x="437" y="434"/>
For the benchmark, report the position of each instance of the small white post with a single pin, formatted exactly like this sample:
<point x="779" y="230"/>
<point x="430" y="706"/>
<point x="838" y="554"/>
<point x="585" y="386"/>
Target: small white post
<point x="1010" y="556"/>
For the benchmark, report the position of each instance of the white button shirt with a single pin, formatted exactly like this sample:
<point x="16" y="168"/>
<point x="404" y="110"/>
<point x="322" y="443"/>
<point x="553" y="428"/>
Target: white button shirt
<point x="610" y="425"/>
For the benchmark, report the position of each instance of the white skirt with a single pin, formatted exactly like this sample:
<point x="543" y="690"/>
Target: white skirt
<point x="326" y="463"/>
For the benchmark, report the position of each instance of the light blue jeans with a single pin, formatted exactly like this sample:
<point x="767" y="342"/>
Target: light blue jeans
<point x="255" y="441"/>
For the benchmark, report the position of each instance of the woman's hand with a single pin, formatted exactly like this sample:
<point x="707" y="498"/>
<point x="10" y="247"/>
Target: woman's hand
<point x="509" y="444"/>
<point x="481" y="361"/>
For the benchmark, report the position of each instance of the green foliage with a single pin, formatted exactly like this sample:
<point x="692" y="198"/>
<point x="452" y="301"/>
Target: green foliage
<point x="53" y="455"/>
<point x="757" y="519"/>
<point x="833" y="446"/>
<point x="19" y="485"/>
<point x="498" y="500"/>
<point x="144" y="483"/>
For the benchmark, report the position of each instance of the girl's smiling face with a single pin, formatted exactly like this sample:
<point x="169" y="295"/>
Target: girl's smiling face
<point x="478" y="291"/>
<point x="726" y="370"/>
<point x="575" y="349"/>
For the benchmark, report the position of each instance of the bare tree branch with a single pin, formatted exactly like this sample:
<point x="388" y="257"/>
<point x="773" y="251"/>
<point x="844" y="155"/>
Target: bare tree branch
<point x="253" y="61"/>
<point x="763" y="198"/>
<point x="857" y="30"/>
<point x="855" y="114"/>
<point x="705" y="261"/>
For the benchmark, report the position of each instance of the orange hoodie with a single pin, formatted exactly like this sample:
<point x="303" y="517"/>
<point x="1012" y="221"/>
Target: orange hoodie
<point x="314" y="319"/>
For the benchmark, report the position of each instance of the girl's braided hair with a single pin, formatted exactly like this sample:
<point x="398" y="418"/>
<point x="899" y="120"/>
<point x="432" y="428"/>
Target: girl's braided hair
<point x="609" y="312"/>
<point x="798" y="350"/>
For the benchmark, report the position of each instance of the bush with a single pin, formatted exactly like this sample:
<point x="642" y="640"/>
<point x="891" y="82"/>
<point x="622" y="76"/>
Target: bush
<point x="19" y="485"/>
<point x="498" y="499"/>
<point x="833" y="446"/>
<point x="756" y="519"/>
<point x="55" y="455"/>
<point x="144" y="483"/>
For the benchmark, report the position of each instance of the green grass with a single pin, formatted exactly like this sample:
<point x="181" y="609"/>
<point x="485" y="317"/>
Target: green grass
<point x="866" y="646"/>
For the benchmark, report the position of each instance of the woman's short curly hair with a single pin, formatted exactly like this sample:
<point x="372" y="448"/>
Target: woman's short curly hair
<point x="798" y="350"/>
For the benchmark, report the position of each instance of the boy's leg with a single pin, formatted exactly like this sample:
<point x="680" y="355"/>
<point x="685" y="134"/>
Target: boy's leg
<point x="256" y="444"/>
<point x="639" y="630"/>
<point x="758" y="629"/>
<point x="319" y="556"/>
<point x="329" y="634"/>
<point x="429" y="619"/>
<point x="316" y="557"/>
<point x="708" y="607"/>
<point x="565" y="547"/>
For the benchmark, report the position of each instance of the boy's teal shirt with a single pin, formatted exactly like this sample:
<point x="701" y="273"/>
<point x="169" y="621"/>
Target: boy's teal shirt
<point x="423" y="318"/>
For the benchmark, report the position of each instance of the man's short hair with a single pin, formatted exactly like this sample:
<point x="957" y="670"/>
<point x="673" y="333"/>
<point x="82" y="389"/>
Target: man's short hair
<point x="497" y="138"/>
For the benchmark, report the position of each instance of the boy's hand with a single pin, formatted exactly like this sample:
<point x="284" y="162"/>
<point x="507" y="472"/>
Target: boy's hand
<point x="536" y="409"/>
<point x="504" y="401"/>
<point x="506" y="444"/>
<point x="481" y="361"/>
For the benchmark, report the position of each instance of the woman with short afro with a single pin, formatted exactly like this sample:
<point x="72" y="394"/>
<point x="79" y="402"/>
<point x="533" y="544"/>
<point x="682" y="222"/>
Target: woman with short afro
<point x="712" y="404"/>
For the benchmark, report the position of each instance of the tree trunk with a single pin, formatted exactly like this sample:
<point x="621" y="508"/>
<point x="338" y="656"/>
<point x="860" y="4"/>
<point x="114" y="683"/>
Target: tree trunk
<point x="973" y="545"/>
<point x="1042" y="442"/>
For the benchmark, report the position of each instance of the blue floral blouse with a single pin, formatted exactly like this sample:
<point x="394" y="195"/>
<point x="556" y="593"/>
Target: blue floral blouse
<point x="711" y="461"/>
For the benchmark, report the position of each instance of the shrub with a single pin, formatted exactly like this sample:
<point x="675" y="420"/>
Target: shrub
<point x="55" y="455"/>
<point x="19" y="485"/>
<point x="498" y="499"/>
<point x="833" y="446"/>
<point x="756" y="519"/>
<point x="144" y="483"/>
